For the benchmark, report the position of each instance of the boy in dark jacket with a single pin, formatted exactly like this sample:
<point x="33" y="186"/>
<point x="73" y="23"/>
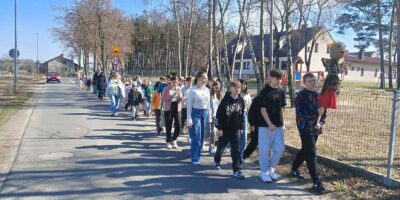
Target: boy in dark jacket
<point x="229" y="122"/>
<point x="253" y="115"/>
<point x="310" y="117"/>
<point x="134" y="99"/>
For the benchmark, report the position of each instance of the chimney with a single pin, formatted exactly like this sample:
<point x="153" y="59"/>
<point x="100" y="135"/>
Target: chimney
<point x="361" y="54"/>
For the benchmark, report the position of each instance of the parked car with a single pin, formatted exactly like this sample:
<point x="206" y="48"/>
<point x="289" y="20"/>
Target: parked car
<point x="53" y="76"/>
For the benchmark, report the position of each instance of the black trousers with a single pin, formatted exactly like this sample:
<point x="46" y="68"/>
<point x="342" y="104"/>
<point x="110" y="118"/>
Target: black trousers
<point x="183" y="117"/>
<point x="252" y="146"/>
<point x="172" y="116"/>
<point x="308" y="153"/>
<point x="232" y="137"/>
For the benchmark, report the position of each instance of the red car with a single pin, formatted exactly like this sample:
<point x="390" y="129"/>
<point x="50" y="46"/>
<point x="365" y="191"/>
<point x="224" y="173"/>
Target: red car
<point x="53" y="76"/>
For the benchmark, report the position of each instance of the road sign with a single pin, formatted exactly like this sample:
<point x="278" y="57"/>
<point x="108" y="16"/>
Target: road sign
<point x="12" y="53"/>
<point x="115" y="60"/>
<point x="116" y="49"/>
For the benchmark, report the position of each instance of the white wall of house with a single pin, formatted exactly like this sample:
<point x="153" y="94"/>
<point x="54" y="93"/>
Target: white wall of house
<point x="322" y="52"/>
<point x="371" y="72"/>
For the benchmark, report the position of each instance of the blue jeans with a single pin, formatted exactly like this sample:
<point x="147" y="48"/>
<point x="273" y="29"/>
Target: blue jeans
<point x="199" y="118"/>
<point x="243" y="136"/>
<point x="114" y="103"/>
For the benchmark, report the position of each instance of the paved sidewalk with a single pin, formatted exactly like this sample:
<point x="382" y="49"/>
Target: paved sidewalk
<point x="74" y="149"/>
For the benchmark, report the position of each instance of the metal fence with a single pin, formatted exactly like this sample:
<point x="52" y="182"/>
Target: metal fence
<point x="358" y="132"/>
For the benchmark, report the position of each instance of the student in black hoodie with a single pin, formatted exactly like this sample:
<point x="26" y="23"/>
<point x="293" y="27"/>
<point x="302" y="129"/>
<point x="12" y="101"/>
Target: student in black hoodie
<point x="229" y="122"/>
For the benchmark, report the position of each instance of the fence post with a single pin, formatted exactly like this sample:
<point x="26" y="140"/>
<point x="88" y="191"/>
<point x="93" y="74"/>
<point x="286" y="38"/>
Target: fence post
<point x="388" y="179"/>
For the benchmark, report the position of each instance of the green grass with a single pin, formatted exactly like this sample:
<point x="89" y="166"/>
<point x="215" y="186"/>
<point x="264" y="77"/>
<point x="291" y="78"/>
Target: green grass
<point x="364" y="85"/>
<point x="7" y="111"/>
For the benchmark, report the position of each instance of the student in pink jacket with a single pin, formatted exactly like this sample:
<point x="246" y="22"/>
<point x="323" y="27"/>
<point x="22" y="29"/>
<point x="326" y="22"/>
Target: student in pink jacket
<point x="171" y="99"/>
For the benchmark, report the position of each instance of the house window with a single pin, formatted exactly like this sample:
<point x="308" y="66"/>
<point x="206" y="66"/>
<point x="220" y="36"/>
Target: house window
<point x="237" y="65"/>
<point x="308" y="49"/>
<point x="316" y="47"/>
<point x="283" y="65"/>
<point x="246" y="65"/>
<point x="328" y="50"/>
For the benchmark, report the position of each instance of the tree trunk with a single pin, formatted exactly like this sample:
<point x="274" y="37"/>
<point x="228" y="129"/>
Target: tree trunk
<point x="289" y="56"/>
<point x="381" y="53"/>
<point x="390" y="46"/>
<point x="236" y="49"/>
<point x="226" y="59"/>
<point x="262" y="61"/>
<point x="210" y="37"/>
<point x="179" y="39"/>
<point x="189" y="37"/>
<point x="398" y="43"/>
<point x="253" y="56"/>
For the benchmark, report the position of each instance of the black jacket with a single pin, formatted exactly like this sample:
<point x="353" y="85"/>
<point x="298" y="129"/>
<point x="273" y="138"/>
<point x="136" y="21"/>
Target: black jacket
<point x="230" y="113"/>
<point x="95" y="78"/>
<point x="254" y="112"/>
<point x="134" y="98"/>
<point x="101" y="82"/>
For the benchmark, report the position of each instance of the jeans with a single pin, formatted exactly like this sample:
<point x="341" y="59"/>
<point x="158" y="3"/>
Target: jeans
<point x="174" y="115"/>
<point x="307" y="153"/>
<point x="271" y="147"/>
<point x="147" y="107"/>
<point x="114" y="103"/>
<point x="253" y="144"/>
<point x="197" y="131"/>
<point x="135" y="110"/>
<point x="232" y="137"/>
<point x="243" y="136"/>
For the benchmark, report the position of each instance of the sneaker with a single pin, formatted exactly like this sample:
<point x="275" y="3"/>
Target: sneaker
<point x="296" y="174"/>
<point x="265" y="177"/>
<point x="217" y="166"/>
<point x="239" y="175"/>
<point x="169" y="146"/>
<point x="134" y="118"/>
<point x="196" y="163"/>
<point x="318" y="187"/>
<point x="116" y="114"/>
<point x="174" y="144"/>
<point x="189" y="140"/>
<point x="273" y="175"/>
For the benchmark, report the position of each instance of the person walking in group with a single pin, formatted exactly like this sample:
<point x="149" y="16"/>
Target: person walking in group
<point x="172" y="100"/>
<point x="101" y="85"/>
<point x="253" y="115"/>
<point x="247" y="102"/>
<point x="78" y="79"/>
<point x="198" y="106"/>
<point x="115" y="90"/>
<point x="271" y="127"/>
<point x="229" y="121"/>
<point x="215" y="101"/>
<point x="147" y="90"/>
<point x="185" y="94"/>
<point x="95" y="81"/>
<point x="310" y="117"/>
<point x="156" y="106"/>
<point x="134" y="100"/>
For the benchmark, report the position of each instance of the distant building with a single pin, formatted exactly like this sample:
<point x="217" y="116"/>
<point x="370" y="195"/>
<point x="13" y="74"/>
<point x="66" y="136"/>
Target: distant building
<point x="301" y="41"/>
<point x="63" y="66"/>
<point x="365" y="66"/>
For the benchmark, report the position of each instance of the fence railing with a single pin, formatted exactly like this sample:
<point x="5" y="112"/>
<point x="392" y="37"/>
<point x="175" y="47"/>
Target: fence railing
<point x="357" y="132"/>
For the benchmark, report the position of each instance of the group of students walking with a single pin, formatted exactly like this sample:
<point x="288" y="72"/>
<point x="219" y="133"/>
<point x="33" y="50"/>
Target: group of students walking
<point x="210" y="114"/>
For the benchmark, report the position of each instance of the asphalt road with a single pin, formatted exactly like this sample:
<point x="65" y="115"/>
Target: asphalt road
<point x="74" y="149"/>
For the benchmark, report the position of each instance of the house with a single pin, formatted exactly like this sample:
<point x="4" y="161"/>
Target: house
<point x="301" y="43"/>
<point x="63" y="66"/>
<point x="366" y="67"/>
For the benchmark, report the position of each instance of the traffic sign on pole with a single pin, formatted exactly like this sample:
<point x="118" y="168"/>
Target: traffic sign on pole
<point x="115" y="60"/>
<point x="12" y="53"/>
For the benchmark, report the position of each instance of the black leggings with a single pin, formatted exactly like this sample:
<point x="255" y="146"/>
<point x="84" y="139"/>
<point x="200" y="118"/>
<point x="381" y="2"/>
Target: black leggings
<point x="170" y="116"/>
<point x="252" y="144"/>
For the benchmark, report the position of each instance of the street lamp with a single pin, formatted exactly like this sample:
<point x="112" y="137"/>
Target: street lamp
<point x="15" y="48"/>
<point x="37" y="53"/>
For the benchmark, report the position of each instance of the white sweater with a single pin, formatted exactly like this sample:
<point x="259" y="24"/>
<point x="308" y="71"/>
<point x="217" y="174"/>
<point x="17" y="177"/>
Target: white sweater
<point x="199" y="98"/>
<point x="247" y="101"/>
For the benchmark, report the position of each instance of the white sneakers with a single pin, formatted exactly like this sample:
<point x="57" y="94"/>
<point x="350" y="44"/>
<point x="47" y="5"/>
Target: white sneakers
<point x="269" y="176"/>
<point x="265" y="177"/>
<point x="174" y="144"/>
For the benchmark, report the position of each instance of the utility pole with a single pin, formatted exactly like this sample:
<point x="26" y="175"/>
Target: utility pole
<point x="15" y="48"/>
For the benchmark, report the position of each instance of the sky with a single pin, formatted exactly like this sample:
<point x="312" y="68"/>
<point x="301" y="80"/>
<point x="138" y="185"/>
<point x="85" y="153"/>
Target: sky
<point x="37" y="16"/>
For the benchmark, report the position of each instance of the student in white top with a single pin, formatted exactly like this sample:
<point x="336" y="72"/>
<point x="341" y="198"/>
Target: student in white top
<point x="198" y="106"/>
